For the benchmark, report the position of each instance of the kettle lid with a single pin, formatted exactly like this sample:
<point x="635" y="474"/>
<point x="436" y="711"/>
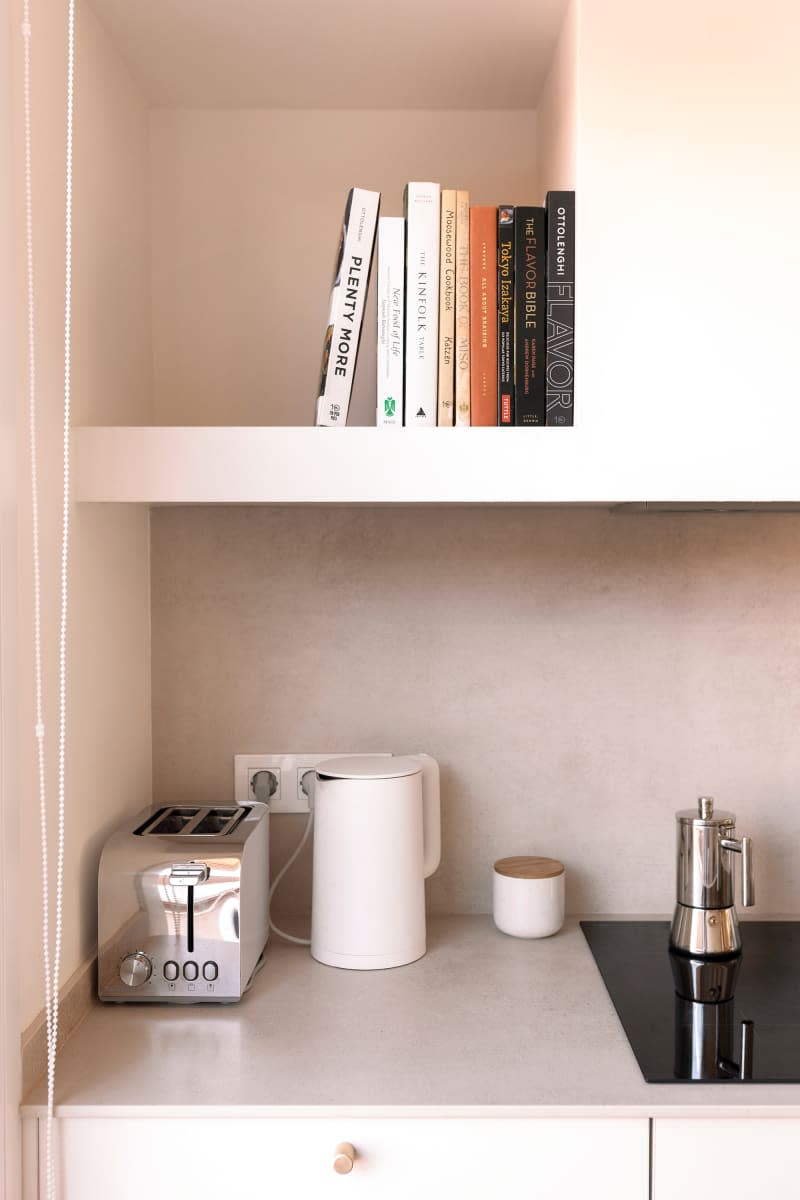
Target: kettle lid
<point x="368" y="766"/>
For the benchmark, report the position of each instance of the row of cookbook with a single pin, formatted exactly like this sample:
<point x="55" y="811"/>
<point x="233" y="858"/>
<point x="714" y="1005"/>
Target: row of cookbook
<point x="475" y="310"/>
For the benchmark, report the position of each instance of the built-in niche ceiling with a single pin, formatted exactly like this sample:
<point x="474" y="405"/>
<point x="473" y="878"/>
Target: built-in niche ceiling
<point x="422" y="54"/>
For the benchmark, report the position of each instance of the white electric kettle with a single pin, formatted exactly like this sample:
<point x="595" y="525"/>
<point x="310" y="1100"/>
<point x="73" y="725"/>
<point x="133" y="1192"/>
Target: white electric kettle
<point x="377" y="837"/>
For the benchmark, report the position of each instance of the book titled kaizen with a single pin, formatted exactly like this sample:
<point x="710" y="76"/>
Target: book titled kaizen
<point x="348" y="294"/>
<point x="422" y="209"/>
<point x="391" y="316"/>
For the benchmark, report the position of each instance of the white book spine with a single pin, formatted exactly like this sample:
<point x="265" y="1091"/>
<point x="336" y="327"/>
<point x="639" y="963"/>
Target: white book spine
<point x="347" y="306"/>
<point x="422" y="302"/>
<point x="391" y="315"/>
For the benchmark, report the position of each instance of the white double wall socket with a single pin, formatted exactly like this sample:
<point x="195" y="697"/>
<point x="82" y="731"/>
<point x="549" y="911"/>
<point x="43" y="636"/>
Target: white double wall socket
<point x="287" y="794"/>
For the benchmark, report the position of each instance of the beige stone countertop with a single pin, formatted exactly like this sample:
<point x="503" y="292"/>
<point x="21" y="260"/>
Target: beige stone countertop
<point x="483" y="1025"/>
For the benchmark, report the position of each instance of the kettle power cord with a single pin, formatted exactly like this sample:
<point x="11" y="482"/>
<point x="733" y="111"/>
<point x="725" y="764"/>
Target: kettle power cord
<point x="307" y="784"/>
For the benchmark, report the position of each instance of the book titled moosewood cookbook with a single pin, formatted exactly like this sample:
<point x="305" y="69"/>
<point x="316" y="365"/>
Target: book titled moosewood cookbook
<point x="349" y="291"/>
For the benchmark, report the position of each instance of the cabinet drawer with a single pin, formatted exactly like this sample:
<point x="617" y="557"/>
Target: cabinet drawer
<point x="423" y="1157"/>
<point x="735" y="1159"/>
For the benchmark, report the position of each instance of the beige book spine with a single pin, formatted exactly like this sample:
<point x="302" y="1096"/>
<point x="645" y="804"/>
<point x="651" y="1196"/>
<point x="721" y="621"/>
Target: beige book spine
<point x="447" y="309"/>
<point x="462" y="372"/>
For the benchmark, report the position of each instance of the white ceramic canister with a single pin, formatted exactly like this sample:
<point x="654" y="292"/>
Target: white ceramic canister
<point x="528" y="899"/>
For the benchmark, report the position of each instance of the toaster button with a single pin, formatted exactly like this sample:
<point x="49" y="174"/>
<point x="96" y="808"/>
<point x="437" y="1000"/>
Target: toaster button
<point x="210" y="971"/>
<point x="190" y="970"/>
<point x="170" y="971"/>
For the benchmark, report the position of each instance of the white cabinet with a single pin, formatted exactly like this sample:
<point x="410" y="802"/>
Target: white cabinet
<point x="430" y="1158"/>
<point x="735" y="1159"/>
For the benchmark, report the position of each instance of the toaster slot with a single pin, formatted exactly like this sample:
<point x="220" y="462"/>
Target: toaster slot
<point x="220" y="820"/>
<point x="168" y="820"/>
<point x="176" y="820"/>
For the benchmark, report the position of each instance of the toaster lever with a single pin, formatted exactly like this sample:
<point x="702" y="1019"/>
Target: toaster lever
<point x="188" y="874"/>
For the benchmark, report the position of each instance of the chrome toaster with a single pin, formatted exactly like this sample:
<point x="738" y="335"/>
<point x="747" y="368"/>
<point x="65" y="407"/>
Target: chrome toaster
<point x="183" y="905"/>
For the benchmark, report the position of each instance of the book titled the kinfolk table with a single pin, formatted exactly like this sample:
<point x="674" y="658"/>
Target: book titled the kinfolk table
<point x="422" y="209"/>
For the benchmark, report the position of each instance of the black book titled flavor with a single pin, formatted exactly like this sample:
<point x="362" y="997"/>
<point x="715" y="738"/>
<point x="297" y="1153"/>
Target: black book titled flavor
<point x="529" y="315"/>
<point x="505" y="315"/>
<point x="560" y="355"/>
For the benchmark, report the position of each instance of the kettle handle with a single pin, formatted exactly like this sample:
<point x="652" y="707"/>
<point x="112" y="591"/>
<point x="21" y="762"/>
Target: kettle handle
<point x="431" y="814"/>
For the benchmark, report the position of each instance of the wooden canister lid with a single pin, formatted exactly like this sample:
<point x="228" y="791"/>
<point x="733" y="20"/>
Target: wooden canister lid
<point x="527" y="867"/>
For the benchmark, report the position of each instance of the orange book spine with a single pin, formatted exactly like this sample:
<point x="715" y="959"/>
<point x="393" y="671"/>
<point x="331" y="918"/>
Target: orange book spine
<point x="483" y="314"/>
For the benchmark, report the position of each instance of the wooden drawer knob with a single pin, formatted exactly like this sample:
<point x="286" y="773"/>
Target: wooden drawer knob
<point x="344" y="1158"/>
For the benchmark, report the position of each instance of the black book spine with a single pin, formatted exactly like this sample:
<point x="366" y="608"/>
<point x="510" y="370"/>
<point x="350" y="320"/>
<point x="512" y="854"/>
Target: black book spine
<point x="529" y="316"/>
<point x="505" y="315"/>
<point x="560" y="354"/>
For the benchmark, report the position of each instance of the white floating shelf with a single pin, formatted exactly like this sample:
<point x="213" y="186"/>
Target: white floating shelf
<point x="289" y="465"/>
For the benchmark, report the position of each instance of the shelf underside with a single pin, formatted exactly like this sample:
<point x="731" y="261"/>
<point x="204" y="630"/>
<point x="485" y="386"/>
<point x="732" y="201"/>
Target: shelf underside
<point x="245" y="55"/>
<point x="291" y="465"/>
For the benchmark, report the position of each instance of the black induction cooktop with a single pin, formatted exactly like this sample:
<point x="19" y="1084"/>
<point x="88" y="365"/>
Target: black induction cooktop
<point x="692" y="1020"/>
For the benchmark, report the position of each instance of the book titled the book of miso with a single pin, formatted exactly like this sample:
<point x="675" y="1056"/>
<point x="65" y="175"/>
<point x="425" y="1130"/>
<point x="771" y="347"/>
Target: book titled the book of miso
<point x="505" y="315"/>
<point x="483" y="314"/>
<point x="560" y="356"/>
<point x="530" y="315"/>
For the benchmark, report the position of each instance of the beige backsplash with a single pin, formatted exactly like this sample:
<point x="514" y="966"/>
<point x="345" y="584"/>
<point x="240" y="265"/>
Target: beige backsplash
<point x="578" y="674"/>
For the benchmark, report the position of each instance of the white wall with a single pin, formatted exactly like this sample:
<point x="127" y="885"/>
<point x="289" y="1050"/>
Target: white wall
<point x="688" y="186"/>
<point x="108" y="762"/>
<point x="246" y="217"/>
<point x="557" y="111"/>
<point x="614" y="666"/>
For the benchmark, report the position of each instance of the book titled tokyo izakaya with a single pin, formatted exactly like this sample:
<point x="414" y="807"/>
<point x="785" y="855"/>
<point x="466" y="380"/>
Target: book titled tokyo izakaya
<point x="560" y="358"/>
<point x="505" y="315"/>
<point x="350" y="282"/>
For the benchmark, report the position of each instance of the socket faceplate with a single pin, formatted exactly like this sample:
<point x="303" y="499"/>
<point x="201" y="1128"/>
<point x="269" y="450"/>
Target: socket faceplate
<point x="289" y="769"/>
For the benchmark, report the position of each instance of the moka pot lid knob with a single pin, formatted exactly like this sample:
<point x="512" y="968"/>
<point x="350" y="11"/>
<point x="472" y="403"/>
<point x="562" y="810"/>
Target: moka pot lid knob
<point x="704" y="814"/>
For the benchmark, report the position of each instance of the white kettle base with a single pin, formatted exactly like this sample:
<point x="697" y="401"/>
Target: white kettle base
<point x="367" y="962"/>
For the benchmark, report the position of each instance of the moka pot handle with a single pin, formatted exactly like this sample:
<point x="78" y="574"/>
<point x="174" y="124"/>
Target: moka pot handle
<point x="743" y="846"/>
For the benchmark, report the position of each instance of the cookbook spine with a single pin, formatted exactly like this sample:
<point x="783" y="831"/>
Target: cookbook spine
<point x="391" y="310"/>
<point x="422" y="209"/>
<point x="483" y="314"/>
<point x="447" y="309"/>
<point x="505" y="315"/>
<point x="462" y="365"/>
<point x="560" y="354"/>
<point x="346" y="313"/>
<point x="529" y="316"/>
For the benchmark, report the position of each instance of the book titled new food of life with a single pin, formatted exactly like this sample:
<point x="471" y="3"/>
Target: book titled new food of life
<point x="421" y="202"/>
<point x="529" y="316"/>
<point x="560" y="358"/>
<point x="350" y="282"/>
<point x="391" y="312"/>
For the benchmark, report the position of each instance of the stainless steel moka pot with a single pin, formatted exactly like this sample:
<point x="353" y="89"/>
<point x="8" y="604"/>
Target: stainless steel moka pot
<point x="705" y="919"/>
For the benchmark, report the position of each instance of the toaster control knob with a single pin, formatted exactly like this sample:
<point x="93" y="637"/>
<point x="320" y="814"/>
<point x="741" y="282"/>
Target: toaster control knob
<point x="135" y="969"/>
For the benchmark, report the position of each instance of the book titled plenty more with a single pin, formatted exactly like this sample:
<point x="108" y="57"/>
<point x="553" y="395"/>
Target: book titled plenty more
<point x="475" y="310"/>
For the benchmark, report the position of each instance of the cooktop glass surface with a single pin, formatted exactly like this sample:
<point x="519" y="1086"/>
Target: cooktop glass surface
<point x="692" y="1020"/>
